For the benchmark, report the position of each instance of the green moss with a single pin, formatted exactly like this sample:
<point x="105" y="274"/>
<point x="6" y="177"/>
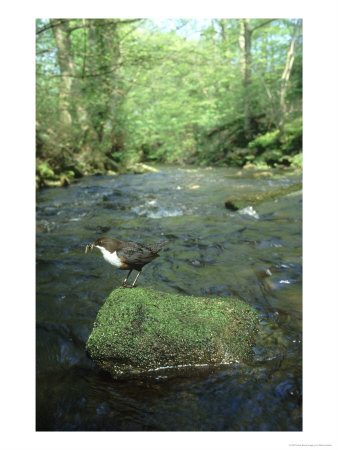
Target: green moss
<point x="44" y="170"/>
<point x="139" y="330"/>
<point x="236" y="202"/>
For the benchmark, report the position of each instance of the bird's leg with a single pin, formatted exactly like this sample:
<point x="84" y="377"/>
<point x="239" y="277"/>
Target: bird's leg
<point x="139" y="273"/>
<point x="125" y="281"/>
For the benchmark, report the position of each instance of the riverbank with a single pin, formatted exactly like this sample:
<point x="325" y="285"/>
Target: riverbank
<point x="46" y="176"/>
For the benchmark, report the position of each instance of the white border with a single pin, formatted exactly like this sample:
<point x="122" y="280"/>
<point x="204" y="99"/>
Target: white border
<point x="320" y="224"/>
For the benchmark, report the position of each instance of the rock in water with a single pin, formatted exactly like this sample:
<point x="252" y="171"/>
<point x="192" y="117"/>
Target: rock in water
<point x="236" y="202"/>
<point x="140" y="330"/>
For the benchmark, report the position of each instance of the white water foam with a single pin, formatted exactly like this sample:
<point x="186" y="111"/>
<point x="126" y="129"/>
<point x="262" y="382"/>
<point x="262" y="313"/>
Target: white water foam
<point x="249" y="211"/>
<point x="151" y="210"/>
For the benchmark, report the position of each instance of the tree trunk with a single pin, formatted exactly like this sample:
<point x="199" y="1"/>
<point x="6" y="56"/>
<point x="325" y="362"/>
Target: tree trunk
<point x="65" y="86"/>
<point x="112" y="130"/>
<point x="245" y="46"/>
<point x="245" y="37"/>
<point x="69" y="87"/>
<point x="286" y="76"/>
<point x="223" y="25"/>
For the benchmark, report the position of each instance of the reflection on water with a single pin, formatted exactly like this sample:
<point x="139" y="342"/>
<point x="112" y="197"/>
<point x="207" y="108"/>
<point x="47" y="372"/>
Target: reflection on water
<point x="254" y="254"/>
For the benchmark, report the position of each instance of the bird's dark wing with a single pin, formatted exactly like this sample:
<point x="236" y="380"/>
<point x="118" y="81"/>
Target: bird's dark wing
<point x="157" y="247"/>
<point x="136" y="254"/>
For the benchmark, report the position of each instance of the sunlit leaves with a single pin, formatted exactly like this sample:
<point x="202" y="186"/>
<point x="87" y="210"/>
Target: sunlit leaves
<point x="167" y="90"/>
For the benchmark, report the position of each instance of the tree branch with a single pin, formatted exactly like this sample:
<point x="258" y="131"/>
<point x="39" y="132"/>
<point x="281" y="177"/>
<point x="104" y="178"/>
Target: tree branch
<point x="41" y="52"/>
<point x="262" y="24"/>
<point x="102" y="22"/>
<point x="52" y="25"/>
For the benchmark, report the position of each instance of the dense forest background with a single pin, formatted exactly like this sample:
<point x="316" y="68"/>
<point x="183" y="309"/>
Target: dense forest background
<point x="113" y="93"/>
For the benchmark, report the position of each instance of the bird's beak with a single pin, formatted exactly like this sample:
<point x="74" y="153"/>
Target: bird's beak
<point x="90" y="247"/>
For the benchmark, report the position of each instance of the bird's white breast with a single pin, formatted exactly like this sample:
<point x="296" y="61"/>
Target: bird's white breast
<point x="111" y="258"/>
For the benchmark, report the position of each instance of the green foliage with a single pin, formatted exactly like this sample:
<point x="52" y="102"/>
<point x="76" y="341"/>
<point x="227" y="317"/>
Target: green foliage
<point x="292" y="140"/>
<point x="275" y="147"/>
<point x="267" y="140"/>
<point x="296" y="161"/>
<point x="44" y="170"/>
<point x="139" y="92"/>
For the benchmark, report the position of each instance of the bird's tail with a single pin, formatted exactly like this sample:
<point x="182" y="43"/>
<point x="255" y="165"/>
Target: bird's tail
<point x="157" y="247"/>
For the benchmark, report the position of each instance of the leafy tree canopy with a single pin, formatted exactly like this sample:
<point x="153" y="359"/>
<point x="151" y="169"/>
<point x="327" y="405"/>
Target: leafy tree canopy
<point x="110" y="92"/>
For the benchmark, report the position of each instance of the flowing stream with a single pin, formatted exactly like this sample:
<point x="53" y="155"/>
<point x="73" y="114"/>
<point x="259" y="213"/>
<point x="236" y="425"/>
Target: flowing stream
<point x="254" y="254"/>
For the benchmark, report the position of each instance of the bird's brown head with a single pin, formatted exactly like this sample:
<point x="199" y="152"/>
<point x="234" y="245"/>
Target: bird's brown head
<point x="98" y="241"/>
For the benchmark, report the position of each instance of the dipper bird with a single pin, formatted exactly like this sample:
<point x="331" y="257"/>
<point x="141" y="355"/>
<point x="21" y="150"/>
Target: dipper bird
<point x="127" y="255"/>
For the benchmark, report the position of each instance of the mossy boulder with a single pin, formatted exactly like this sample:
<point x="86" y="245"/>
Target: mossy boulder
<point x="138" y="331"/>
<point x="240" y="201"/>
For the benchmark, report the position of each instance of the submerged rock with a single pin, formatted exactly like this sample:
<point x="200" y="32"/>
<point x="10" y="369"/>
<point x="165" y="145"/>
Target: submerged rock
<point x="237" y="202"/>
<point x="140" y="330"/>
<point x="140" y="168"/>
